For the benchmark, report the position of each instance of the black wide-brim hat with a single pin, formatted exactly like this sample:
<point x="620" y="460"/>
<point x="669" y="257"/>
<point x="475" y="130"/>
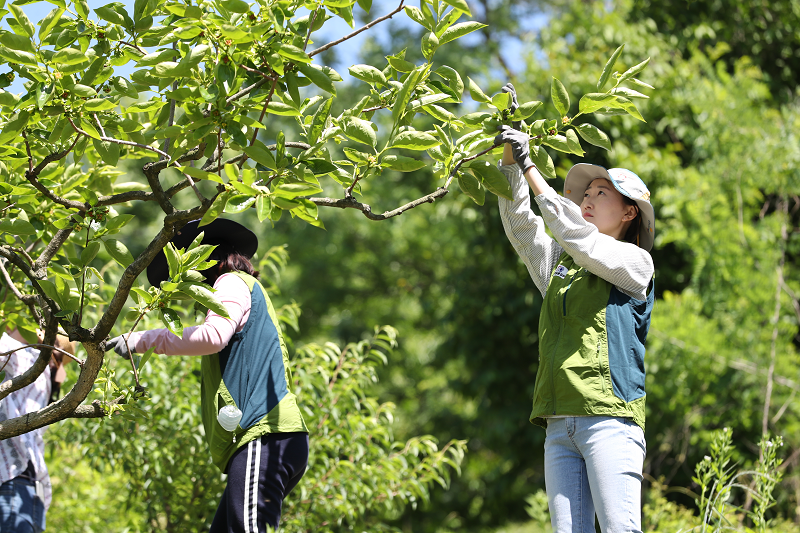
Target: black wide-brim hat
<point x="219" y="232"/>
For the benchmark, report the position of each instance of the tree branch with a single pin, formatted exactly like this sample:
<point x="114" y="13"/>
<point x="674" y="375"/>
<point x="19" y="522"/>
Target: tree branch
<point x="30" y="375"/>
<point x="361" y="29"/>
<point x="27" y="299"/>
<point x="118" y="141"/>
<point x="66" y="407"/>
<point x="351" y="203"/>
<point x="55" y="244"/>
<point x="32" y="175"/>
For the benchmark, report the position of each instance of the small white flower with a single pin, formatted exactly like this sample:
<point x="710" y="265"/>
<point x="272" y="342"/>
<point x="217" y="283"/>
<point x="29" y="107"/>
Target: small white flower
<point x="706" y="458"/>
<point x="769" y="444"/>
<point x="95" y="225"/>
<point x="725" y="430"/>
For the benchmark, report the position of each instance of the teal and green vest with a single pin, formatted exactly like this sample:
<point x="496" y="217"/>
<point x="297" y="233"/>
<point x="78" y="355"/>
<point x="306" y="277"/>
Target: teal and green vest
<point x="252" y="373"/>
<point x="591" y="348"/>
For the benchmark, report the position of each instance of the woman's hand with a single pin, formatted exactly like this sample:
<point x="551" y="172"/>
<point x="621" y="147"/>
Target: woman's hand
<point x="118" y="345"/>
<point x="514" y="105"/>
<point x="518" y="142"/>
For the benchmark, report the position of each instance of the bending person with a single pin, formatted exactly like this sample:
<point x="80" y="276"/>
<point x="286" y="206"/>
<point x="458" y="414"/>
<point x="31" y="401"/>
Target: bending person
<point x="245" y="366"/>
<point x="596" y="277"/>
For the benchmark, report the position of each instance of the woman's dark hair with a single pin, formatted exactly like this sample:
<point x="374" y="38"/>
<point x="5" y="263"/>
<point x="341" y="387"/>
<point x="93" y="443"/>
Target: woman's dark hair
<point x="632" y="234"/>
<point x="228" y="260"/>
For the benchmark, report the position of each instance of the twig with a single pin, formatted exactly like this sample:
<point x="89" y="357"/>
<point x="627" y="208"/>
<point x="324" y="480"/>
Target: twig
<point x="79" y="361"/>
<point x="263" y="112"/>
<point x="133" y="46"/>
<point x="470" y="158"/>
<point x="99" y="125"/>
<point x="255" y="71"/>
<point x="351" y="35"/>
<point x="27" y="299"/>
<point x="196" y="190"/>
<point x="351" y="203"/>
<point x="83" y="279"/>
<point x="118" y="141"/>
<point x="246" y="90"/>
<point x="310" y="25"/>
<point x="33" y="174"/>
<point x="28" y="149"/>
<point x="171" y="105"/>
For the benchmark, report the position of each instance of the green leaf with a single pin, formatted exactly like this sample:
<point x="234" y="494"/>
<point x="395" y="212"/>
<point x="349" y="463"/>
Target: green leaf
<point x="560" y="97"/>
<point x="173" y="259"/>
<point x="319" y="121"/>
<point x="459" y="30"/>
<point x="118" y="221"/>
<point x="95" y="105"/>
<point x="628" y="93"/>
<point x="118" y="251"/>
<point x="279" y="108"/>
<point x="415" y="140"/>
<point x="402" y="163"/>
<point x="263" y="207"/>
<point x="260" y="154"/>
<point x="294" y="53"/>
<point x="559" y="142"/>
<point x="355" y="156"/>
<point x="172" y="320"/>
<point x="591" y="102"/>
<point x="146" y="357"/>
<point x="471" y="186"/>
<point x="8" y="99"/>
<point x="415" y="14"/>
<point x="459" y="4"/>
<point x="83" y="90"/>
<point x="573" y="143"/>
<point x="17" y="227"/>
<point x="453" y="79"/>
<point x="22" y="18"/>
<point x="50" y="290"/>
<point x="321" y="76"/>
<point x="359" y="130"/>
<point x="609" y="68"/>
<point x="239" y="203"/>
<point x="476" y="93"/>
<point x="491" y="177"/>
<point x="404" y="95"/>
<point x="124" y="87"/>
<point x="293" y="190"/>
<point x="49" y="22"/>
<point x="116" y="14"/>
<point x="16" y="56"/>
<point x="640" y="83"/>
<point x="204" y="297"/>
<point x="500" y="100"/>
<point x="595" y="136"/>
<point x="236" y="6"/>
<point x="69" y="56"/>
<point x="633" y="71"/>
<point x="215" y="210"/>
<point x="17" y="42"/>
<point x="429" y="45"/>
<point x="89" y="253"/>
<point x="368" y="73"/>
<point x="544" y="164"/>
<point x="201" y="174"/>
<point x="527" y="109"/>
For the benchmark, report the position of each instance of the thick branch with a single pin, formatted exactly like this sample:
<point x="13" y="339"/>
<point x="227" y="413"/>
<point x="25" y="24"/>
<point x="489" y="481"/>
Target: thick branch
<point x="351" y="35"/>
<point x="27" y="299"/>
<point x="31" y="274"/>
<point x="66" y="407"/>
<point x="50" y="251"/>
<point x="351" y="203"/>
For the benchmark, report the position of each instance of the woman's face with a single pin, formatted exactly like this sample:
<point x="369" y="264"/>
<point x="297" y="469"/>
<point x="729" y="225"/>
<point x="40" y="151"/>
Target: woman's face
<point x="605" y="207"/>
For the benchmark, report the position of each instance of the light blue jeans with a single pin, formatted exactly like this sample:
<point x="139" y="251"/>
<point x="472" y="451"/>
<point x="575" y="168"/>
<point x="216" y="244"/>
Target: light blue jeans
<point x="21" y="510"/>
<point x="594" y="464"/>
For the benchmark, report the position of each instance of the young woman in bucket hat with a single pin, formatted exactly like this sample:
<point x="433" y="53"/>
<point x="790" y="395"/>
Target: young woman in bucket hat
<point x="252" y="422"/>
<point x="596" y="277"/>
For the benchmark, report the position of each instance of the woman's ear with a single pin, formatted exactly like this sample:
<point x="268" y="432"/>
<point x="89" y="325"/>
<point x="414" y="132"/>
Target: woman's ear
<point x="630" y="213"/>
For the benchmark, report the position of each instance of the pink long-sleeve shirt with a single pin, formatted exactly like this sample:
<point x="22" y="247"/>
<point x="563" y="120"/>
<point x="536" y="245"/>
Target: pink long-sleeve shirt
<point x="211" y="336"/>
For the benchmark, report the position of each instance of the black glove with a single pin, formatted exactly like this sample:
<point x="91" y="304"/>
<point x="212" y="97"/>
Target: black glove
<point x="519" y="146"/>
<point x="514" y="105"/>
<point x="118" y="345"/>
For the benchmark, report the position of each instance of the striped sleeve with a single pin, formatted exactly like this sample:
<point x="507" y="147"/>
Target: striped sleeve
<point x="622" y="264"/>
<point x="526" y="230"/>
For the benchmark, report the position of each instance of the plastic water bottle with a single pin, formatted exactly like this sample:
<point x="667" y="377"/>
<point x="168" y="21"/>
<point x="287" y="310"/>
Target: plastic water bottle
<point x="229" y="417"/>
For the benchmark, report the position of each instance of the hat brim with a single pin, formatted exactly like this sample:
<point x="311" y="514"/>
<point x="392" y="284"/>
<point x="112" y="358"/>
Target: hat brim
<point x="581" y="175"/>
<point x="220" y="231"/>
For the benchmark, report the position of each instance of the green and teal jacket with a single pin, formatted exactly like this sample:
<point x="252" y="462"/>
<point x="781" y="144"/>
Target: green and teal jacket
<point x="252" y="373"/>
<point x="591" y="348"/>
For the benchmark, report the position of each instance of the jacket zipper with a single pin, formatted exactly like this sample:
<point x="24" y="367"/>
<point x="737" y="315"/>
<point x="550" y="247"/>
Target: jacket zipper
<point x="600" y="368"/>
<point x="558" y="342"/>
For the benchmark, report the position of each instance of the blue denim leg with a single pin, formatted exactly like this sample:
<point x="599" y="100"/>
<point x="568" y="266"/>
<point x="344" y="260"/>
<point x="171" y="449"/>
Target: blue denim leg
<point x="566" y="480"/>
<point x="599" y="459"/>
<point x="21" y="511"/>
<point x="614" y="451"/>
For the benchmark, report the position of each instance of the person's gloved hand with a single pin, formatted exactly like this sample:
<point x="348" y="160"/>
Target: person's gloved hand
<point x="519" y="146"/>
<point x="514" y="105"/>
<point x="118" y="345"/>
